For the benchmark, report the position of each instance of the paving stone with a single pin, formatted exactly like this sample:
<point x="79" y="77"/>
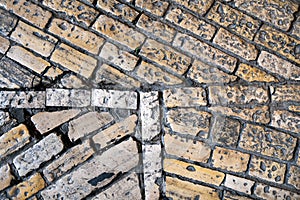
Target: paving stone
<point x="150" y="115"/>
<point x="6" y="176"/>
<point x="47" y="121"/>
<point x="233" y="19"/>
<point x="233" y="196"/>
<point x="20" y="99"/>
<point x="278" y="13"/>
<point x="157" y="28"/>
<point x="13" y="140"/>
<point x="126" y="188"/>
<point x="294" y="178"/>
<point x="178" y="189"/>
<point x="274" y="64"/>
<point x="267" y="169"/>
<point x="117" y="8"/>
<point x="185" y="97"/>
<point x="165" y="56"/>
<point x="118" y="57"/>
<point x="115" y="132"/>
<point x="192" y="171"/>
<point x="267" y="142"/>
<point x="88" y="123"/>
<point x="95" y="173"/>
<point x="189" y="121"/>
<point x="74" y="60"/>
<point x="296" y="27"/>
<point x="27" y="188"/>
<point x="186" y="148"/>
<point x="153" y="6"/>
<point x="225" y="131"/>
<point x="279" y="42"/>
<point x="224" y="95"/>
<point x="7" y="21"/>
<point x="71" y="81"/>
<point x="154" y="75"/>
<point x="230" y="160"/>
<point x="268" y="192"/>
<point x="53" y="72"/>
<point x="69" y="98"/>
<point x="27" y="59"/>
<point x="29" y="11"/>
<point x="238" y="184"/>
<point x="114" y="99"/>
<point x="73" y="157"/>
<point x="76" y="35"/>
<point x="235" y="44"/>
<point x="33" y="157"/>
<point x="254" y="74"/>
<point x="4" y="44"/>
<point x="200" y="7"/>
<point x="205" y="73"/>
<point x="286" y="120"/>
<point x="118" y="31"/>
<point x="286" y="93"/>
<point x="205" y="52"/>
<point x="191" y="23"/>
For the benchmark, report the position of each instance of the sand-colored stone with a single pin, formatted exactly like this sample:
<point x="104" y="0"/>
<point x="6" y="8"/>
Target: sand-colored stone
<point x="268" y="192"/>
<point x="4" y="44"/>
<point x="239" y="184"/>
<point x="153" y="6"/>
<point x="254" y="74"/>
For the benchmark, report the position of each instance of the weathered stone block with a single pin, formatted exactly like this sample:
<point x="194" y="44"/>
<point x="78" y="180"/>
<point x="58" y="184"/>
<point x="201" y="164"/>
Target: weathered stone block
<point x="20" y="99"/>
<point x="6" y="176"/>
<point x="70" y="98"/>
<point x="252" y="74"/>
<point x="286" y="120"/>
<point x="268" y="192"/>
<point x="239" y="184"/>
<point x="7" y="21"/>
<point x="152" y="6"/>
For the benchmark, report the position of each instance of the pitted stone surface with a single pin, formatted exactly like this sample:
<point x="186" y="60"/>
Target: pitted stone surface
<point x="69" y="98"/>
<point x="30" y="99"/>
<point x="239" y="184"/>
<point x="6" y="176"/>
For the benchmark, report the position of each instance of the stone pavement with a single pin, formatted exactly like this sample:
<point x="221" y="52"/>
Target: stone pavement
<point x="145" y="99"/>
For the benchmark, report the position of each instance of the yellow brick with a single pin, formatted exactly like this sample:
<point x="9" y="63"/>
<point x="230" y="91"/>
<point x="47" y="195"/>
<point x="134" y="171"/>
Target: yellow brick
<point x="286" y="93"/>
<point x="294" y="179"/>
<point x="193" y="171"/>
<point x="6" y="176"/>
<point x="153" y="6"/>
<point x="234" y="196"/>
<point x="76" y="35"/>
<point x="74" y="60"/>
<point x="294" y="108"/>
<point x="4" y="44"/>
<point x="238" y="183"/>
<point x="53" y="73"/>
<point x="251" y="74"/>
<point x="199" y="7"/>
<point x="267" y="192"/>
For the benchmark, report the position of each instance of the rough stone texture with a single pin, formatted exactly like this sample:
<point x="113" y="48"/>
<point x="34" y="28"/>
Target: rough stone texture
<point x="239" y="184"/>
<point x="30" y="99"/>
<point x="253" y="74"/>
<point x="53" y="72"/>
<point x="6" y="121"/>
<point x="294" y="178"/>
<point x="268" y="192"/>
<point x="200" y="7"/>
<point x="70" y="98"/>
<point x="4" y="44"/>
<point x="294" y="108"/>
<point x="184" y="97"/>
<point x="230" y="160"/>
<point x="233" y="196"/>
<point x="13" y="140"/>
<point x="267" y="169"/>
<point x="286" y="120"/>
<point x="33" y="157"/>
<point x="153" y="6"/>
<point x="7" y="21"/>
<point x="71" y="81"/>
<point x="296" y="27"/>
<point x="46" y="121"/>
<point x="88" y="123"/>
<point x="286" y="93"/>
<point x="6" y="176"/>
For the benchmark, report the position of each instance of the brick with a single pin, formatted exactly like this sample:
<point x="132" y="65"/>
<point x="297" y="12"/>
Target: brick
<point x="165" y="56"/>
<point x="193" y="171"/>
<point x="200" y="7"/>
<point x="128" y="188"/>
<point x="189" y="121"/>
<point x="286" y="93"/>
<point x="47" y="121"/>
<point x="185" y="97"/>
<point x="27" y="188"/>
<point x="205" y="52"/>
<point x="6" y="121"/>
<point x="114" y="99"/>
<point x="157" y="28"/>
<point x="118" y="31"/>
<point x="13" y="140"/>
<point x="279" y="42"/>
<point x="73" y="157"/>
<point x="254" y="74"/>
<point x="294" y="178"/>
<point x="74" y="60"/>
<point x="233" y="196"/>
<point x="71" y="81"/>
<point x="154" y="75"/>
<point x="150" y="115"/>
<point x="230" y="160"/>
<point x="224" y="95"/>
<point x="53" y="72"/>
<point x="7" y="21"/>
<point x="115" y="132"/>
<point x="294" y="108"/>
<point x="274" y="64"/>
<point x="191" y="23"/>
<point x="6" y="176"/>
<point x="267" y="169"/>
<point x="296" y="27"/>
<point x="152" y="6"/>
<point x="95" y="173"/>
<point x="178" y="189"/>
<point x="20" y="99"/>
<point x="186" y="148"/>
<point x="76" y="35"/>
<point x="27" y="59"/>
<point x="204" y="73"/>
<point x="88" y="123"/>
<point x="118" y="57"/>
<point x="278" y="13"/>
<point x="286" y="120"/>
<point x="239" y="184"/>
<point x="4" y="44"/>
<point x="268" y="192"/>
<point x="6" y="83"/>
<point x="33" y="157"/>
<point x="117" y="8"/>
<point x="235" y="44"/>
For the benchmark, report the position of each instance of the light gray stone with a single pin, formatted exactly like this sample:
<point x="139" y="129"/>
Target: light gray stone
<point x="5" y="176"/>
<point x="31" y="99"/>
<point x="70" y="98"/>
